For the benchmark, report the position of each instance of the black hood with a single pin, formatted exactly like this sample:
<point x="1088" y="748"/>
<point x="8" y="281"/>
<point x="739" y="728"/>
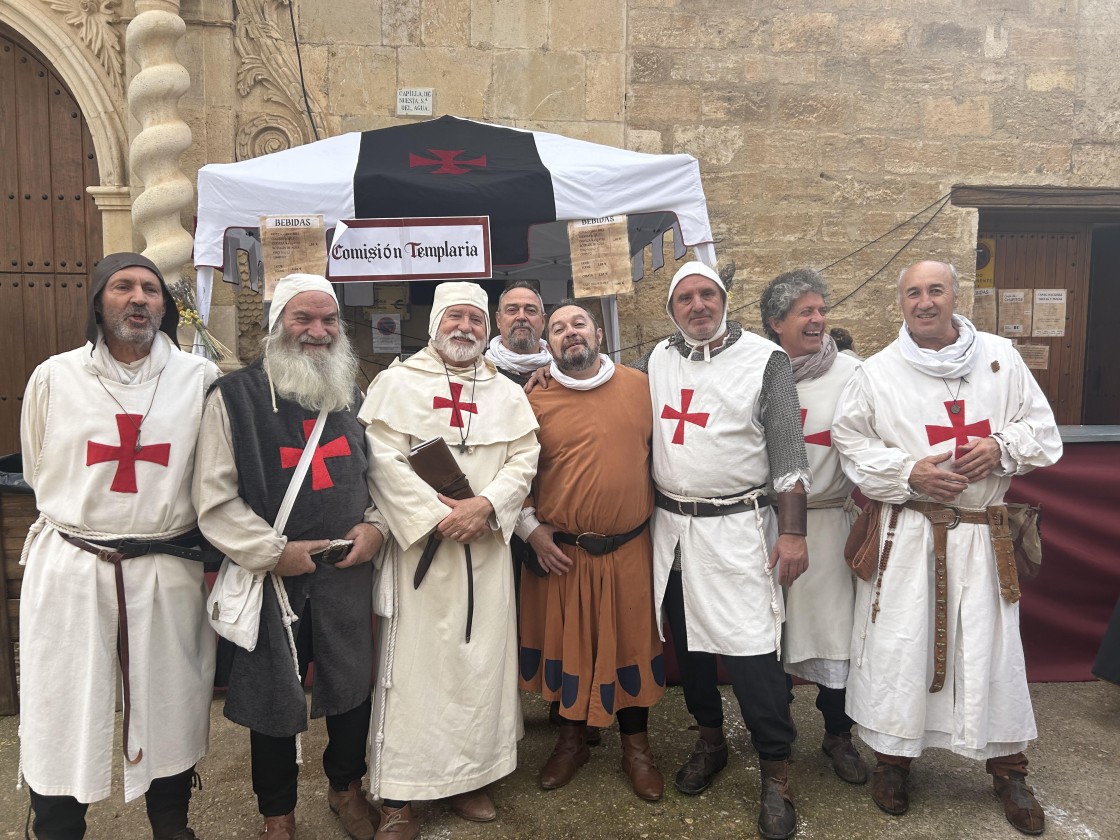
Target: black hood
<point x="109" y="266"/>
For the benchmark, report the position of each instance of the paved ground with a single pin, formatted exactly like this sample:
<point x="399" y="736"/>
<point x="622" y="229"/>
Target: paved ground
<point x="1074" y="763"/>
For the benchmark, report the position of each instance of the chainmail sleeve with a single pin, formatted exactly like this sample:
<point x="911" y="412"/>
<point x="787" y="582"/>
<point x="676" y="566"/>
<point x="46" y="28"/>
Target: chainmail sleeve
<point x="781" y="418"/>
<point x="642" y="363"/>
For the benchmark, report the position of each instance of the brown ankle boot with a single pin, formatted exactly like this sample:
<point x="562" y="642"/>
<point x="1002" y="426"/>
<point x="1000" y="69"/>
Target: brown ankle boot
<point x="1019" y="805"/>
<point x="708" y="757"/>
<point x="569" y="754"/>
<point x="777" y="819"/>
<point x="890" y="783"/>
<point x="358" y="816"/>
<point x="397" y="824"/>
<point x="846" y="760"/>
<point x="638" y="764"/>
<point x="279" y="828"/>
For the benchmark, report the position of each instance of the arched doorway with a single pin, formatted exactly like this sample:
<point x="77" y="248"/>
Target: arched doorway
<point x="51" y="227"/>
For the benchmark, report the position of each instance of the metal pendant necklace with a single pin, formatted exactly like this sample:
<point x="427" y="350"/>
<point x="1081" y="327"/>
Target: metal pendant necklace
<point x="955" y="406"/>
<point x="454" y="402"/>
<point x="143" y="417"/>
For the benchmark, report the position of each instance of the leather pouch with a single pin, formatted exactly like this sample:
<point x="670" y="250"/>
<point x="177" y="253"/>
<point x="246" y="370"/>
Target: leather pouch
<point x="861" y="549"/>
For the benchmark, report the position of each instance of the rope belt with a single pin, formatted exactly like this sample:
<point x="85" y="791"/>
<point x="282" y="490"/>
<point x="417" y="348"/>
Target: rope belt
<point x="944" y="518"/>
<point x="114" y="551"/>
<point x="597" y="544"/>
<point x="697" y="507"/>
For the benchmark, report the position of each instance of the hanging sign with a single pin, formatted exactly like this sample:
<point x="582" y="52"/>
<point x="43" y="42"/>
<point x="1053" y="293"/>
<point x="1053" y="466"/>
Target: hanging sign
<point x="291" y="245"/>
<point x="455" y="247"/>
<point x="600" y="257"/>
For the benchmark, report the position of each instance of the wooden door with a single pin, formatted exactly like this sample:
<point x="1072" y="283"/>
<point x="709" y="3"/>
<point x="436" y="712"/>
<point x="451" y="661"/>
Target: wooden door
<point x="50" y="229"/>
<point x="1031" y="256"/>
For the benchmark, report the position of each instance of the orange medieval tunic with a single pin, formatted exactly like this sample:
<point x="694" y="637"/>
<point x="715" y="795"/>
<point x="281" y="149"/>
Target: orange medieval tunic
<point x="589" y="637"/>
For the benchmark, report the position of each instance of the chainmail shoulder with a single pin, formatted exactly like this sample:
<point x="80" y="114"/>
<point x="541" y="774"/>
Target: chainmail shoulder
<point x="781" y="418"/>
<point x="677" y="342"/>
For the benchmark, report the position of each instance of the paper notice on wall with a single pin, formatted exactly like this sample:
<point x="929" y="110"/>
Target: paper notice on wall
<point x="386" y="333"/>
<point x="600" y="257"/>
<point x="985" y="263"/>
<point x="1015" y="312"/>
<point x="984" y="309"/>
<point x="1037" y="356"/>
<point x="1049" y="313"/>
<point x="291" y="245"/>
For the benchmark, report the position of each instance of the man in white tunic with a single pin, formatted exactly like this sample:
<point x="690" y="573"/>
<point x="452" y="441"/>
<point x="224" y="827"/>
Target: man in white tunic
<point x="725" y="428"/>
<point x="113" y="591"/>
<point x="935" y="426"/>
<point x="819" y="605"/>
<point x="447" y="714"/>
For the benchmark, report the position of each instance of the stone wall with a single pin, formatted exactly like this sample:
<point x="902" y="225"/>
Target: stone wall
<point x="820" y="125"/>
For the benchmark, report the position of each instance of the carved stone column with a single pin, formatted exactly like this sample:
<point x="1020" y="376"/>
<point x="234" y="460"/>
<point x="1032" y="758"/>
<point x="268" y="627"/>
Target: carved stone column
<point x="153" y="100"/>
<point x="115" y="204"/>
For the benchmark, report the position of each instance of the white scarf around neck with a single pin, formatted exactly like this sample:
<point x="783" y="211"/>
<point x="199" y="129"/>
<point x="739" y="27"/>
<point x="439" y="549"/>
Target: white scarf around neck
<point x="606" y="371"/>
<point x="506" y="359"/>
<point x="103" y="363"/>
<point x="951" y="362"/>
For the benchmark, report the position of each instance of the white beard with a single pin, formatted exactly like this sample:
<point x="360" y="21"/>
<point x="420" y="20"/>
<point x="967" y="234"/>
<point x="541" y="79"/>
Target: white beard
<point x="458" y="353"/>
<point x="316" y="380"/>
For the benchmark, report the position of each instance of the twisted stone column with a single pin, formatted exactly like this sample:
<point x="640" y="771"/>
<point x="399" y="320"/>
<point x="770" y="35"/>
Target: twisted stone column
<point x="153" y="100"/>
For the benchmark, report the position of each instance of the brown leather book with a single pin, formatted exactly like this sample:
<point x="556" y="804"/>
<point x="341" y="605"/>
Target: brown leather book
<point x="433" y="462"/>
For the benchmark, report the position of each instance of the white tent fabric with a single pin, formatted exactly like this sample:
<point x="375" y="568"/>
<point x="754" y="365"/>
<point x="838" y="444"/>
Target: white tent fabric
<point x="589" y="180"/>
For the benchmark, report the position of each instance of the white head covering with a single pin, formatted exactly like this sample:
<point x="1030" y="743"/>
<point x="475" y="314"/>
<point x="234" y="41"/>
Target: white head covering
<point x="687" y="270"/>
<point x="290" y="286"/>
<point x="458" y="293"/>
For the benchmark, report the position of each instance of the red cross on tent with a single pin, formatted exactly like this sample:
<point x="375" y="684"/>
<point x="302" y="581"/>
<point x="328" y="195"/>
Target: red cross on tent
<point x="819" y="438"/>
<point x="456" y="407"/>
<point x="127" y="454"/>
<point x="957" y="428"/>
<point x="320" y="475"/>
<point x="447" y="162"/>
<point x="683" y="416"/>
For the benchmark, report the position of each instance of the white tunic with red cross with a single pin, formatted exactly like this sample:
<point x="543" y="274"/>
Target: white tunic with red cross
<point x="890" y="416"/>
<point x="818" y="628"/>
<point x="91" y="476"/>
<point x="708" y="441"/>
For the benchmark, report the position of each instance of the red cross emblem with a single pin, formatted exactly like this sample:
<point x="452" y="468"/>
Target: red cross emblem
<point x="819" y="438"/>
<point x="320" y="475"/>
<point x="682" y="416"/>
<point x="445" y="160"/>
<point x="957" y="428"/>
<point x="456" y="407"/>
<point x="127" y="454"/>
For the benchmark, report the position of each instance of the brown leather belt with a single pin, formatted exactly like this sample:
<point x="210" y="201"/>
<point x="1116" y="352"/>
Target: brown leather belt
<point x="705" y="508"/>
<point x="114" y="553"/>
<point x="597" y="544"/>
<point x="944" y="518"/>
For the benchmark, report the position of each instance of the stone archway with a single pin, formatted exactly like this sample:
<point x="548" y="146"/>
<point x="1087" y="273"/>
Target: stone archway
<point x="99" y="93"/>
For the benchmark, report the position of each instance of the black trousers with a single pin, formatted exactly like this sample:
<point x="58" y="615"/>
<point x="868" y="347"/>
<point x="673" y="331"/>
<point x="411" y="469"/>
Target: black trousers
<point x="64" y="817"/>
<point x="276" y="774"/>
<point x="759" y="684"/>
<point x="830" y="701"/>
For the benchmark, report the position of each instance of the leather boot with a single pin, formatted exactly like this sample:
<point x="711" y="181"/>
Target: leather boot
<point x="890" y="783"/>
<point x="777" y="819"/>
<point x="475" y="805"/>
<point x="846" y="760"/>
<point x="280" y="828"/>
<point x="638" y="764"/>
<point x="708" y="757"/>
<point x="567" y="757"/>
<point x="1019" y="805"/>
<point x="397" y="824"/>
<point x="358" y="817"/>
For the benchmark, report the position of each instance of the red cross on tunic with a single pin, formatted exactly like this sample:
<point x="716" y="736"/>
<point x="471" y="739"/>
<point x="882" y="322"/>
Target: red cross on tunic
<point x="683" y="416"/>
<point x="456" y="407"/>
<point x="127" y="454"/>
<point x="819" y="438"/>
<point x="320" y="475"/>
<point x="957" y="428"/>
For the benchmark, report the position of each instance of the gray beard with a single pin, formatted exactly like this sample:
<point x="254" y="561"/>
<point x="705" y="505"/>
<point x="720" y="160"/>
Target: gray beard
<point x="583" y="356"/>
<point x="457" y="353"/>
<point x="315" y="380"/>
<point x="121" y="330"/>
<point x="526" y="344"/>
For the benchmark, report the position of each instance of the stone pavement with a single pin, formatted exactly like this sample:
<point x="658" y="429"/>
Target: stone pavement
<point x="1075" y="772"/>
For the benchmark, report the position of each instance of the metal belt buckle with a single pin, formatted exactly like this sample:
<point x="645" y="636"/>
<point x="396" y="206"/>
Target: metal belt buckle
<point x="683" y="512"/>
<point x="956" y="518"/>
<point x="603" y="537"/>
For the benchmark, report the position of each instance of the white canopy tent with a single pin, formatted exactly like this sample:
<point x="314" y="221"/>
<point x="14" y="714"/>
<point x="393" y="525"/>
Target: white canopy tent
<point x="530" y="183"/>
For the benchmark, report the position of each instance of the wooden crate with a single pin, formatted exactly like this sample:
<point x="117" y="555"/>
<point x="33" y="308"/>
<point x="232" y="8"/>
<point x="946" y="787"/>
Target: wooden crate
<point x="17" y="513"/>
